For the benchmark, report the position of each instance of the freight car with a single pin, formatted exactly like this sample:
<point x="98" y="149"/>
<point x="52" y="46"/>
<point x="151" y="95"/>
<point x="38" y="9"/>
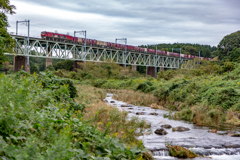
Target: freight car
<point x="56" y="37"/>
<point x="92" y="42"/>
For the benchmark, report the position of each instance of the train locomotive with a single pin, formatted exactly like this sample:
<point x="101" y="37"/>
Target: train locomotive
<point x="92" y="42"/>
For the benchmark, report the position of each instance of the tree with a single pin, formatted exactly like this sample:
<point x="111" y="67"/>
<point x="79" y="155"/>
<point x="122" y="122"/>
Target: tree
<point x="6" y="42"/>
<point x="34" y="69"/>
<point x="50" y="68"/>
<point x="228" y="44"/>
<point x="67" y="65"/>
<point x="235" y="55"/>
<point x="206" y="52"/>
<point x="190" y="50"/>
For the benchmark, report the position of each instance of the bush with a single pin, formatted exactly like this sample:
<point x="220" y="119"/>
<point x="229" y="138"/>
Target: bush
<point x="67" y="65"/>
<point x="145" y="87"/>
<point x="34" y="69"/>
<point x="39" y="120"/>
<point x="225" y="97"/>
<point x="161" y="93"/>
<point x="99" y="83"/>
<point x="167" y="75"/>
<point x="228" y="66"/>
<point x="50" y="68"/>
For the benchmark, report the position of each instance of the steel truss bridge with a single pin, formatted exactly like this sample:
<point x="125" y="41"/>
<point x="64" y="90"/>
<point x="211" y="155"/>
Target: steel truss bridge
<point x="75" y="51"/>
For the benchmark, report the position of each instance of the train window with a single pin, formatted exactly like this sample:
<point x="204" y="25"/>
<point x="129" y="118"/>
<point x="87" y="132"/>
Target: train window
<point x="44" y="32"/>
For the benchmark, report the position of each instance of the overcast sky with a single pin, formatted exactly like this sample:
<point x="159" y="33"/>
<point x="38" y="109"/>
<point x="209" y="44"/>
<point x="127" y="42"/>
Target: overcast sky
<point x="140" y="21"/>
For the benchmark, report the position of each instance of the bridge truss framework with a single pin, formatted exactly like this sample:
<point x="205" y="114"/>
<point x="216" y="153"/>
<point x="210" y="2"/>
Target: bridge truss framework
<point x="76" y="52"/>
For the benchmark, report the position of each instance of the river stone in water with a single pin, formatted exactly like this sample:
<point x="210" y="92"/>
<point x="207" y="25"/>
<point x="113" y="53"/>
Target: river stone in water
<point x="125" y="105"/>
<point x="112" y="101"/>
<point x="180" y="129"/>
<point x="166" y="126"/>
<point x="161" y="131"/>
<point x="213" y="130"/>
<point x="154" y="114"/>
<point x="230" y="145"/>
<point x="232" y="134"/>
<point x="140" y="113"/>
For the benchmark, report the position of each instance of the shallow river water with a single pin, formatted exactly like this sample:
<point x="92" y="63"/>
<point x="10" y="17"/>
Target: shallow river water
<point x="197" y="139"/>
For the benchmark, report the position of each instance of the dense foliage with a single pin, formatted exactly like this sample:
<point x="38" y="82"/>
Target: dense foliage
<point x="6" y="42"/>
<point x="101" y="71"/>
<point x="39" y="119"/>
<point x="213" y="87"/>
<point x="188" y="48"/>
<point x="229" y="47"/>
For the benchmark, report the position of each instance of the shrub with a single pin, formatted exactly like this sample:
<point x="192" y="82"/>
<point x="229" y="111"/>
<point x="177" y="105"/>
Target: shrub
<point x="145" y="87"/>
<point x="167" y="75"/>
<point x="39" y="120"/>
<point x="161" y="93"/>
<point x="185" y="114"/>
<point x="228" y="66"/>
<point x="99" y="83"/>
<point x="50" y="68"/>
<point x="225" y="97"/>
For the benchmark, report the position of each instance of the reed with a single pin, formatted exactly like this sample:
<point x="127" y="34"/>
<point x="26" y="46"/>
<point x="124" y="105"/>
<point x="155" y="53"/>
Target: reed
<point x="108" y="119"/>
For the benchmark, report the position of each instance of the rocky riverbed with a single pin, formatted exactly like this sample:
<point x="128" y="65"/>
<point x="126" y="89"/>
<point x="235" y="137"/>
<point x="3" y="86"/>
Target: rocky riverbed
<point x="218" y="144"/>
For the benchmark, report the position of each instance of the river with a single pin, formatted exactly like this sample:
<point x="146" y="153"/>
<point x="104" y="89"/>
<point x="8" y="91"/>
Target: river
<point x="218" y="146"/>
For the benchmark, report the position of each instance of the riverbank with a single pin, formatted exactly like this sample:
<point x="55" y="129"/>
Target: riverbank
<point x="198" y="139"/>
<point x="209" y="95"/>
<point x="40" y="119"/>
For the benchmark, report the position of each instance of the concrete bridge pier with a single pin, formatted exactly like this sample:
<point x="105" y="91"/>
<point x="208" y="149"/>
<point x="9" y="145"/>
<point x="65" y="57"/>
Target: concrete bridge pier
<point x="21" y="62"/>
<point x="151" y="71"/>
<point x="134" y="67"/>
<point x="49" y="60"/>
<point x="77" y="65"/>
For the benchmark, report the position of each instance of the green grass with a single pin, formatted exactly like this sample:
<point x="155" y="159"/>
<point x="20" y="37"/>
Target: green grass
<point x="211" y="87"/>
<point x="39" y="119"/>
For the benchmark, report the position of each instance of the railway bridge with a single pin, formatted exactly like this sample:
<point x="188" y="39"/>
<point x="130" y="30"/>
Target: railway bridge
<point x="38" y="47"/>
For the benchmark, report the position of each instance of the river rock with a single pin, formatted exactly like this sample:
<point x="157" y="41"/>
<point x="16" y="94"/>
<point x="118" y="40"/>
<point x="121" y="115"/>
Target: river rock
<point x="180" y="129"/>
<point x="154" y="114"/>
<point x="130" y="108"/>
<point x="161" y="131"/>
<point x="213" y="130"/>
<point x="140" y="113"/>
<point x="112" y="101"/>
<point x="232" y="134"/>
<point x="230" y="145"/>
<point x="125" y="105"/>
<point x="166" y="126"/>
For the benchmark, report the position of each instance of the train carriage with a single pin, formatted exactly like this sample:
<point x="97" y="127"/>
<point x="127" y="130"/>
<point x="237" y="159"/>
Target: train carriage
<point x="56" y="36"/>
<point x="101" y="43"/>
<point x="92" y="42"/>
<point x="141" y="49"/>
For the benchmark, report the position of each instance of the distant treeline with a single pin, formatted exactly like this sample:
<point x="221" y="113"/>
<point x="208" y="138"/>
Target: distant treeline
<point x="187" y="48"/>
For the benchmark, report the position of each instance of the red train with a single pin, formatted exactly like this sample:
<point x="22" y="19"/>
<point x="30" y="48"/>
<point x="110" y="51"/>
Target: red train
<point x="92" y="42"/>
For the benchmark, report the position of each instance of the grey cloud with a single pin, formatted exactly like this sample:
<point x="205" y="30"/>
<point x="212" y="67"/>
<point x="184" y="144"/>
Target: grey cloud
<point x="198" y="21"/>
